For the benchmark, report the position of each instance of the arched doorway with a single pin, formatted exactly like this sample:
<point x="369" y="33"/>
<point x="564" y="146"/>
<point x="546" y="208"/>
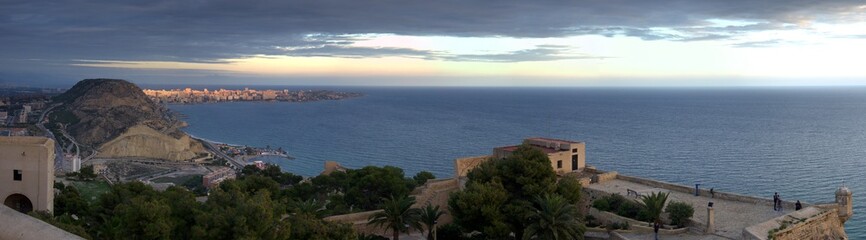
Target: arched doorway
<point x="19" y="202"/>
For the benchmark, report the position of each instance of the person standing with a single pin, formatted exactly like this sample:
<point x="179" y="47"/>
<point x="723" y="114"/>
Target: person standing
<point x="656" y="229"/>
<point x="712" y="193"/>
<point x="776" y="202"/>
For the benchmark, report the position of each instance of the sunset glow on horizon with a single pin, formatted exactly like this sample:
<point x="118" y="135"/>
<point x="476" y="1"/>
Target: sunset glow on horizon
<point x="815" y="45"/>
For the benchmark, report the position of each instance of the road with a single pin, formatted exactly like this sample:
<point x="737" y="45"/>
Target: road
<point x="236" y="163"/>
<point x="59" y="159"/>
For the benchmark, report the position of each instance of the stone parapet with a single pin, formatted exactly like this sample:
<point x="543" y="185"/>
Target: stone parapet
<point x="16" y="225"/>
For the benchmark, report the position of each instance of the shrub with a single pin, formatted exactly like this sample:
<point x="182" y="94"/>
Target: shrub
<point x="629" y="209"/>
<point x="615" y="201"/>
<point x="643" y="216"/>
<point x="590" y="221"/>
<point x="449" y="231"/>
<point x="601" y="205"/>
<point x="679" y="212"/>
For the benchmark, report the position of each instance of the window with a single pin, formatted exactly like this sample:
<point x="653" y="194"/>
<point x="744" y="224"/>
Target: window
<point x="16" y="175"/>
<point x="559" y="164"/>
<point x="574" y="150"/>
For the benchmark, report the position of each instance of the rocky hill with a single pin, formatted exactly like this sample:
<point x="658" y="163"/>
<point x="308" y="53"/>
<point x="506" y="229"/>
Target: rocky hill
<point x="117" y="119"/>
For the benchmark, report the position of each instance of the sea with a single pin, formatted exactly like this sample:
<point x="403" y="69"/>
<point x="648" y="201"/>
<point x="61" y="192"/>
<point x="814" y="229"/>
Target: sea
<point x="803" y="142"/>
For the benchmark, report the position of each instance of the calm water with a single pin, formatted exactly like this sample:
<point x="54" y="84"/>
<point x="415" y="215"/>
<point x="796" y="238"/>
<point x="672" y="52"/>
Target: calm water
<point x="801" y="142"/>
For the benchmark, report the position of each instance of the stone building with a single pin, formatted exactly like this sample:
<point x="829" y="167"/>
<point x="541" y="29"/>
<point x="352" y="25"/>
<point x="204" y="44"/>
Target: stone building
<point x="27" y="173"/>
<point x="217" y="176"/>
<point x="565" y="156"/>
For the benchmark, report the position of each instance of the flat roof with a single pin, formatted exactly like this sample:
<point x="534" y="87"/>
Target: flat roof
<point x="543" y="149"/>
<point x="551" y="140"/>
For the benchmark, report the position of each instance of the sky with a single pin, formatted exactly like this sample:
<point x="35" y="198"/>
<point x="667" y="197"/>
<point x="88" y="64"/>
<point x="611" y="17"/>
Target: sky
<point x="435" y="43"/>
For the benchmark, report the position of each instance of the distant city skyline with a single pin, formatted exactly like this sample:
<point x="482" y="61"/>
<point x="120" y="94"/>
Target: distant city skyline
<point x="435" y="43"/>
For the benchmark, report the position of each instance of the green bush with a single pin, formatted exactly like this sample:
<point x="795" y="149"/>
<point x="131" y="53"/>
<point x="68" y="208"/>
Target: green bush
<point x="616" y="201"/>
<point x="449" y="231"/>
<point x="629" y="209"/>
<point x="679" y="213"/>
<point x="621" y="206"/>
<point x="643" y="215"/>
<point x="601" y="205"/>
<point x="590" y="221"/>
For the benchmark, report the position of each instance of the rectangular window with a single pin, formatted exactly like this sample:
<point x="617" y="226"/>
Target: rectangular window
<point x="559" y="164"/>
<point x="574" y="150"/>
<point x="16" y="175"/>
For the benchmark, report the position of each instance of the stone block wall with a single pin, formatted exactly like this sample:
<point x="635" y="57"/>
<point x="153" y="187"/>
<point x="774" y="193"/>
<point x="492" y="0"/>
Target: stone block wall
<point x="604" y="177"/>
<point x="462" y="166"/>
<point x="823" y="226"/>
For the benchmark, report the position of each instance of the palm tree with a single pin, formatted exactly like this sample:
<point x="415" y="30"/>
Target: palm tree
<point x="397" y="215"/>
<point x="655" y="203"/>
<point x="430" y="216"/>
<point x="552" y="217"/>
<point x="309" y="208"/>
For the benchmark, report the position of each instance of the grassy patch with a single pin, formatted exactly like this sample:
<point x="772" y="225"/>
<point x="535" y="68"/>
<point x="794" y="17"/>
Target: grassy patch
<point x="91" y="190"/>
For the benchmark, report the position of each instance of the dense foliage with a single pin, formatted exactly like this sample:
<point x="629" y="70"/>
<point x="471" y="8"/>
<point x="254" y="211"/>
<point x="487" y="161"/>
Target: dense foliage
<point x="497" y="201"/>
<point x="397" y="215"/>
<point x="679" y="212"/>
<point x="552" y="217"/>
<point x="260" y="204"/>
<point x="622" y="206"/>
<point x="654" y="204"/>
<point x="355" y="190"/>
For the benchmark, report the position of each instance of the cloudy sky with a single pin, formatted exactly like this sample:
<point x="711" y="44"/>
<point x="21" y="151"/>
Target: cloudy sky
<point x="441" y="42"/>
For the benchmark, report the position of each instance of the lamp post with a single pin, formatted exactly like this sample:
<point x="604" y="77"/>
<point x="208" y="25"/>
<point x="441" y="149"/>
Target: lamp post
<point x="435" y="230"/>
<point x="697" y="189"/>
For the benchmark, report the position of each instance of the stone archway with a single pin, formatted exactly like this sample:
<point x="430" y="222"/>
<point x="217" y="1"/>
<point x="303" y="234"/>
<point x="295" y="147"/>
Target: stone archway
<point x="19" y="202"/>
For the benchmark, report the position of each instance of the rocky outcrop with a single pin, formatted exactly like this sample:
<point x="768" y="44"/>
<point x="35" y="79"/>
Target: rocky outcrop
<point x="143" y="141"/>
<point x="117" y="119"/>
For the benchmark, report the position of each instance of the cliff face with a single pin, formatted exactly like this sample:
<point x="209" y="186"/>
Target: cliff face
<point x="118" y="120"/>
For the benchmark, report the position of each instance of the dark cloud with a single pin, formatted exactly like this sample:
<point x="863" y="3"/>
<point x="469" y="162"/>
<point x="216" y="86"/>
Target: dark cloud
<point x="208" y="31"/>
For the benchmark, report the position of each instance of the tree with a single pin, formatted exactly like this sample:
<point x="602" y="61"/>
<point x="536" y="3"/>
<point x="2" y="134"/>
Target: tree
<point x="479" y="208"/>
<point x="569" y="188"/>
<point x="69" y="201"/>
<point x="422" y="177"/>
<point x="309" y="208"/>
<point x="553" y="217"/>
<point x="655" y="203"/>
<point x="233" y="213"/>
<point x="397" y="215"/>
<point x="274" y="172"/>
<point x="430" y="217"/>
<point x="523" y="175"/>
<point x="679" y="212"/>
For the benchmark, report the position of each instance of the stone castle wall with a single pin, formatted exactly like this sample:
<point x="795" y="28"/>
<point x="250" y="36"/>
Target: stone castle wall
<point x="816" y="222"/>
<point x="823" y="226"/>
<point x="462" y="166"/>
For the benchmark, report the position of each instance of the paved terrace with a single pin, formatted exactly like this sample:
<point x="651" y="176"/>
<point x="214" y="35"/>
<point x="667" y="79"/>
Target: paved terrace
<point x="731" y="216"/>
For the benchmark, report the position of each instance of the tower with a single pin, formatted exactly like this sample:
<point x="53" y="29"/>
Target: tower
<point x="845" y="201"/>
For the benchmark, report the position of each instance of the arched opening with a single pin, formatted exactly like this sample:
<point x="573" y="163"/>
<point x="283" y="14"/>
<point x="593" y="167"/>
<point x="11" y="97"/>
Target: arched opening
<point x="19" y="202"/>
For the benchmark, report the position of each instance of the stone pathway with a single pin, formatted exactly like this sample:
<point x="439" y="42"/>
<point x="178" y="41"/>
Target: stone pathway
<point x="731" y="217"/>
